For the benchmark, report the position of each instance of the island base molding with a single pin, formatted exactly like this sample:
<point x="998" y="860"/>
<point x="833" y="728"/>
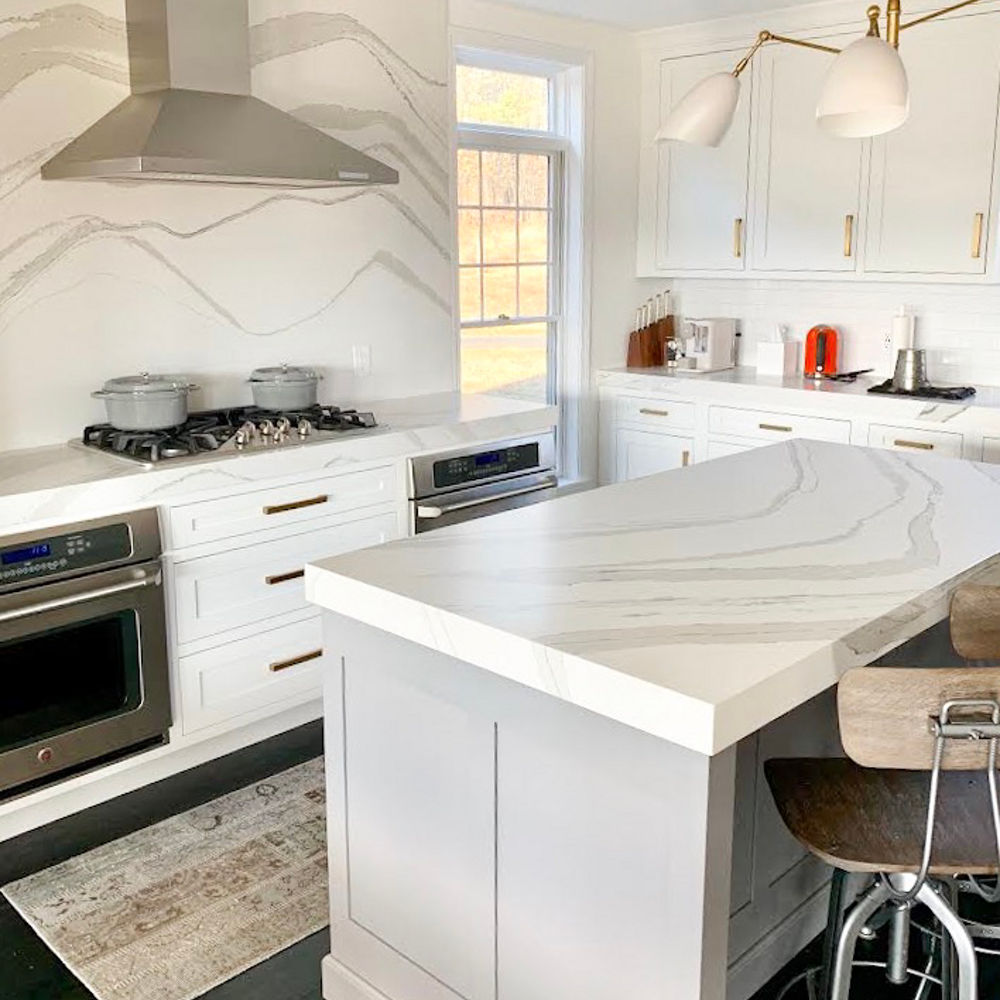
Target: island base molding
<point x="487" y="840"/>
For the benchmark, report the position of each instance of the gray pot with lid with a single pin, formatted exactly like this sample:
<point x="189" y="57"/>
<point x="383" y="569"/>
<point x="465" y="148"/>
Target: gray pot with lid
<point x="285" y="387"/>
<point x="146" y="402"/>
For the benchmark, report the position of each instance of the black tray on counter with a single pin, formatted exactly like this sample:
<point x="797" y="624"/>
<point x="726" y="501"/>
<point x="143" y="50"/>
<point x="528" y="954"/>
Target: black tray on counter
<point x="952" y="393"/>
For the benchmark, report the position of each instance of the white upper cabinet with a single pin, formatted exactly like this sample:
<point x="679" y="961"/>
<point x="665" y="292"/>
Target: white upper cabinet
<point x="916" y="204"/>
<point x="700" y="193"/>
<point x="932" y="179"/>
<point x="808" y="184"/>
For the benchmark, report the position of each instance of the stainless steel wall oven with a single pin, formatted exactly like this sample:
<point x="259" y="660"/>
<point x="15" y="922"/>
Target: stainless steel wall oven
<point x="84" y="673"/>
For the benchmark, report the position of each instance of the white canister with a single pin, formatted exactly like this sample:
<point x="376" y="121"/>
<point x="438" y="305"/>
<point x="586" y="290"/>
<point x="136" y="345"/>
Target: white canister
<point x="777" y="357"/>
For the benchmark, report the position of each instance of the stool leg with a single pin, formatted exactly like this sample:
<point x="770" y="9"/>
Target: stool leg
<point x="954" y="929"/>
<point x="875" y="897"/>
<point x="834" y="926"/>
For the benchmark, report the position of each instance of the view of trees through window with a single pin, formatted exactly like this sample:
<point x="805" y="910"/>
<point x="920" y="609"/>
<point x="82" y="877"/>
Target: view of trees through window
<point x="506" y="226"/>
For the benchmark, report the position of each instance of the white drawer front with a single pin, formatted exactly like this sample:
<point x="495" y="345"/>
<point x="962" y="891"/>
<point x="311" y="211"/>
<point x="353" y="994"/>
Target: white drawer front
<point x="280" y="666"/>
<point x="723" y="449"/>
<point x="765" y="426"/>
<point x="991" y="449"/>
<point x="278" y="506"/>
<point x="919" y="441"/>
<point x="663" y="413"/>
<point x="250" y="585"/>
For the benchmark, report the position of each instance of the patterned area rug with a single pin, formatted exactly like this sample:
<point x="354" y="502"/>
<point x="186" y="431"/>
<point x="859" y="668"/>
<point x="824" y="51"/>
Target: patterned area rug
<point x="177" y="908"/>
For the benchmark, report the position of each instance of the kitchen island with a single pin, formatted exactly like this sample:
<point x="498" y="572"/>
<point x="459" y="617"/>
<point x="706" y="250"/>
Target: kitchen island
<point x="545" y="729"/>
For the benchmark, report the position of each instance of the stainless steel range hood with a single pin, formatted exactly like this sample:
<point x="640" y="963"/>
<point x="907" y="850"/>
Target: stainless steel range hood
<point x="190" y="116"/>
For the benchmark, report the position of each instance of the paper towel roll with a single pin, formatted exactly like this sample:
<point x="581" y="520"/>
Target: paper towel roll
<point x="904" y="329"/>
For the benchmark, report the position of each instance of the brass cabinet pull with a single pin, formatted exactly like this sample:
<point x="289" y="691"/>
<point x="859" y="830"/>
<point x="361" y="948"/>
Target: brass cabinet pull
<point x="655" y="413"/>
<point x="685" y="459"/>
<point x="276" y="668"/>
<point x="738" y="238"/>
<point x="284" y="508"/>
<point x="849" y="236"/>
<point x="977" y="236"/>
<point x="921" y="445"/>
<point x="273" y="581"/>
<point x="775" y="427"/>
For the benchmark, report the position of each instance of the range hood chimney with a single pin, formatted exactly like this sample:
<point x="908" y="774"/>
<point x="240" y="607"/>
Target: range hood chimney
<point x="190" y="116"/>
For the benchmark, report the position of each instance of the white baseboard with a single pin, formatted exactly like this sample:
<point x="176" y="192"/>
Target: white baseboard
<point x="339" y="983"/>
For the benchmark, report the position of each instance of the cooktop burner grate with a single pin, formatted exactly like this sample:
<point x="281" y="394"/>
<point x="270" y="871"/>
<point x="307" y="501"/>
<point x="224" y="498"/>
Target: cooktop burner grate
<point x="208" y="431"/>
<point x="954" y="393"/>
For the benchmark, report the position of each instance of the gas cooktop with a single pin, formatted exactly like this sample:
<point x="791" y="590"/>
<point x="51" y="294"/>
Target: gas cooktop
<point x="237" y="429"/>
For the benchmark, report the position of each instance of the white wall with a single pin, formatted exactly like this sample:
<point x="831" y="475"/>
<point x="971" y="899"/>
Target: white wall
<point x="613" y="137"/>
<point x="102" y="279"/>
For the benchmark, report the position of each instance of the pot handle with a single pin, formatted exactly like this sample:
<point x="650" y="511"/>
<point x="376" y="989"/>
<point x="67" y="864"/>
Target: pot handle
<point x="99" y="394"/>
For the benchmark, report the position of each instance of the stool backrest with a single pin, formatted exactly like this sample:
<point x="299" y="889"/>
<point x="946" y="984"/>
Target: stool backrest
<point x="884" y="715"/>
<point x="975" y="622"/>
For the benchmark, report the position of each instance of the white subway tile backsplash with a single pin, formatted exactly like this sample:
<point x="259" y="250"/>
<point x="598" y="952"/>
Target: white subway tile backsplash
<point x="958" y="325"/>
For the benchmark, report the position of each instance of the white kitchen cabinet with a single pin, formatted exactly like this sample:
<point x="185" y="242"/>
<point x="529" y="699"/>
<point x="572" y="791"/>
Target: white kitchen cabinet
<point x="769" y="427"/>
<point x="808" y="184"/>
<point x="700" y="193"/>
<point x="644" y="453"/>
<point x="932" y="179"/>
<point x="256" y="582"/>
<point x="991" y="450"/>
<point x="719" y="448"/>
<point x="264" y="673"/>
<point x="947" y="443"/>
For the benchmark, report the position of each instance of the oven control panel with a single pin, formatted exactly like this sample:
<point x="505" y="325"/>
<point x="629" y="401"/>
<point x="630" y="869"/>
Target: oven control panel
<point x="485" y="465"/>
<point x="59" y="554"/>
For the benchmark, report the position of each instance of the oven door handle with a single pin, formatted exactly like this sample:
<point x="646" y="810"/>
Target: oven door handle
<point x="56" y="604"/>
<point x="441" y="511"/>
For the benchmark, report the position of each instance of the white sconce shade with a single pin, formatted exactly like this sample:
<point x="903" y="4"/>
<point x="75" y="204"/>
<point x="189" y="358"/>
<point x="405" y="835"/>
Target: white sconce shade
<point x="866" y="91"/>
<point x="703" y="116"/>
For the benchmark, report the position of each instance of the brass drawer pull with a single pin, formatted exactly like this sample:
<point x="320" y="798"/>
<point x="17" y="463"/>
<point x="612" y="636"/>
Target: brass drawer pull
<point x="655" y="413"/>
<point x="685" y="459"/>
<point x="738" y="238"/>
<point x="780" y="428"/>
<point x="977" y="236"/>
<point x="921" y="445"/>
<point x="284" y="508"/>
<point x="849" y="236"/>
<point x="273" y="581"/>
<point x="276" y="668"/>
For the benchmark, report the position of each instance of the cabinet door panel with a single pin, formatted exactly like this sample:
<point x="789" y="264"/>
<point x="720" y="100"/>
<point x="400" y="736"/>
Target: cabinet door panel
<point x="808" y="183"/>
<point x="642" y="453"/>
<point x="702" y="192"/>
<point x="416" y="762"/>
<point x="932" y="178"/>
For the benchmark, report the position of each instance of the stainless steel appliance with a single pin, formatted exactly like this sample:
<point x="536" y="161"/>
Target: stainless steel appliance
<point x="239" y="429"/>
<point x="460" y="485"/>
<point x="83" y="648"/>
<point x="191" y="116"/>
<point x="911" y="370"/>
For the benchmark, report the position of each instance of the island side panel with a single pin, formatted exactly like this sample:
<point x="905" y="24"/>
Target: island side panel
<point x="534" y="849"/>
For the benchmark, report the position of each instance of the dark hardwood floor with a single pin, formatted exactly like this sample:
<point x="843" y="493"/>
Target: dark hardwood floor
<point x="30" y="971"/>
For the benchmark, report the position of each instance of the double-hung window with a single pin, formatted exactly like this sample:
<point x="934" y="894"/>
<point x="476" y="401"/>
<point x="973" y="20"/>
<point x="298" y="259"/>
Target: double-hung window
<point x="510" y="228"/>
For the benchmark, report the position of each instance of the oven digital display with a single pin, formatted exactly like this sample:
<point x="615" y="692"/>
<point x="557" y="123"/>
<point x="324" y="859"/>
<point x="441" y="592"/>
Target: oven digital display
<point x="485" y="465"/>
<point x="16" y="556"/>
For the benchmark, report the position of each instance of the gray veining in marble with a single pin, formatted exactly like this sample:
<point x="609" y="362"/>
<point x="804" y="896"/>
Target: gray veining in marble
<point x="215" y="280"/>
<point x="682" y="605"/>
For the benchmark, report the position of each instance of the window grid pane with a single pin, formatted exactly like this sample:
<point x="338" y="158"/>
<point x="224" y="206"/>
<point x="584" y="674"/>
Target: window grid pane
<point x="509" y="100"/>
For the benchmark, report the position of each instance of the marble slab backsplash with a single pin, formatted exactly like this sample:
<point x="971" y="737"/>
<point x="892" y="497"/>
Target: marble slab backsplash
<point x="959" y="325"/>
<point x="99" y="279"/>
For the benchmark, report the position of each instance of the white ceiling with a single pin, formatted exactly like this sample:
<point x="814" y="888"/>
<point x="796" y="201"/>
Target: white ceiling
<point x="638" y="14"/>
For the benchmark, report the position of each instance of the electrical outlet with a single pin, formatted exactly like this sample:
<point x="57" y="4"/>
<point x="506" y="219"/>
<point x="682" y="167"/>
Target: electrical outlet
<point x="362" y="359"/>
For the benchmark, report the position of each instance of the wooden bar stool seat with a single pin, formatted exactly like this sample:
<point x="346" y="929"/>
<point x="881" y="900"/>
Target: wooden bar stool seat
<point x="862" y="819"/>
<point x="916" y="803"/>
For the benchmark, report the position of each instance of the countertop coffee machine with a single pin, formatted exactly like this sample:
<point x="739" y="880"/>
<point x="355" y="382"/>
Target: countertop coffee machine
<point x="709" y="344"/>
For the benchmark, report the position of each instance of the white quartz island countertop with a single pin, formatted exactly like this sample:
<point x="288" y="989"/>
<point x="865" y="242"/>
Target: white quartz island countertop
<point x="700" y="604"/>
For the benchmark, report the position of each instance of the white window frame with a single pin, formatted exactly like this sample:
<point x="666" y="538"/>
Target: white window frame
<point x="569" y="72"/>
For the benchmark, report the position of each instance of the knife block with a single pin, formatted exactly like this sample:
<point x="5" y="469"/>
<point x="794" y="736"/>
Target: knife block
<point x="645" y="348"/>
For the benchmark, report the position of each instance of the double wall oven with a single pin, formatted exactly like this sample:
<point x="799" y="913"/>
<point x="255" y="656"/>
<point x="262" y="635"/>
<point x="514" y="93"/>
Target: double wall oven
<point x="84" y="675"/>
